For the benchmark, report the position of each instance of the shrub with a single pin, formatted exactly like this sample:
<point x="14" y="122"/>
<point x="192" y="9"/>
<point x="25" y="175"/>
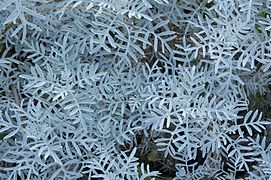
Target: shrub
<point x="142" y="89"/>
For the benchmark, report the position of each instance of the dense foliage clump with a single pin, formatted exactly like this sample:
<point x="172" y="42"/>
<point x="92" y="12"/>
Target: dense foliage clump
<point x="135" y="89"/>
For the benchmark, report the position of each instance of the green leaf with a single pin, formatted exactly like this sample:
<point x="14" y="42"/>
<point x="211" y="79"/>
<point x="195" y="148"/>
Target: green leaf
<point x="263" y="14"/>
<point x="154" y="156"/>
<point x="2" y="135"/>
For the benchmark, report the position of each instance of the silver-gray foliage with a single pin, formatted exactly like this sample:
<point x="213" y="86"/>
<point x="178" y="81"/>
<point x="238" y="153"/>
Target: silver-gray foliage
<point x="81" y="80"/>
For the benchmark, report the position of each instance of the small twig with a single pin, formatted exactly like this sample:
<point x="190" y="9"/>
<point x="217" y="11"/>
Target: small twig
<point x="167" y="166"/>
<point x="15" y="93"/>
<point x="17" y="101"/>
